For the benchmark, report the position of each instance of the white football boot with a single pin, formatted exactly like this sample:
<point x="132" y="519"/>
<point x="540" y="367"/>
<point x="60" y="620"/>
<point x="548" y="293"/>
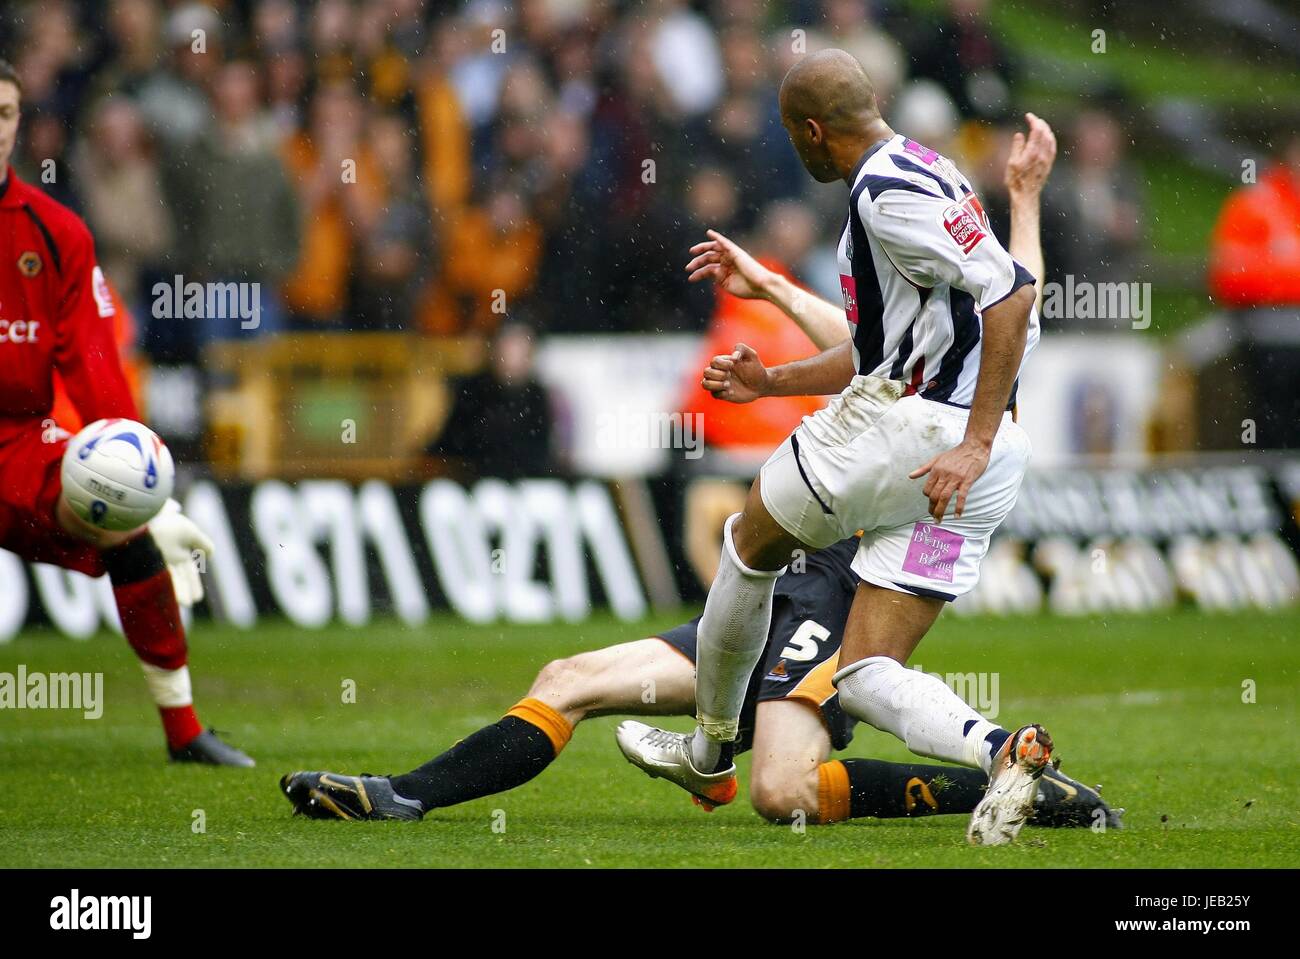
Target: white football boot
<point x="664" y="755"/>
<point x="1013" y="784"/>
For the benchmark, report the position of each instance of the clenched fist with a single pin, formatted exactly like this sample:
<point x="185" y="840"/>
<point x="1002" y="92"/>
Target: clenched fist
<point x="737" y="377"/>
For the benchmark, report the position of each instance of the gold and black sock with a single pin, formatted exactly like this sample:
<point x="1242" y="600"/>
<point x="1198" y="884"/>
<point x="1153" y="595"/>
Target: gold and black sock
<point x="856" y="788"/>
<point x="498" y="757"/>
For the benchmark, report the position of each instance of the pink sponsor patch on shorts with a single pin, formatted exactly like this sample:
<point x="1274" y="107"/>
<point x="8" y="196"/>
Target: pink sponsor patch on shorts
<point x="933" y="552"/>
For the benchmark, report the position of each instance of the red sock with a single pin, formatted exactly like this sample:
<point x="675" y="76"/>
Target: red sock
<point x="180" y="724"/>
<point x="151" y="621"/>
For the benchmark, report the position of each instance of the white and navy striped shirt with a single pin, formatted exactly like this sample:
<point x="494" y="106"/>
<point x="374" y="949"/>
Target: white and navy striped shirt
<point x="918" y="266"/>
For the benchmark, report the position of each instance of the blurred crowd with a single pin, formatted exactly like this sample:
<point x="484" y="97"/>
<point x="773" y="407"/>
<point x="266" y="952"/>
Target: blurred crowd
<point x="440" y="166"/>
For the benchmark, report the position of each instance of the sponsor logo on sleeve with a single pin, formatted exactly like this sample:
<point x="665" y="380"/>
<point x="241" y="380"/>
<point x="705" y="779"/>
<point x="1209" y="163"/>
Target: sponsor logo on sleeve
<point x="103" y="298"/>
<point x="966" y="223"/>
<point x="922" y="153"/>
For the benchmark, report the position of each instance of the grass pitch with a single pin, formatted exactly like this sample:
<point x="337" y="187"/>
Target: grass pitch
<point x="1150" y="706"/>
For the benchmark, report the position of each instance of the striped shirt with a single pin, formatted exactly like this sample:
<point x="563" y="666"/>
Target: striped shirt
<point x="918" y="267"/>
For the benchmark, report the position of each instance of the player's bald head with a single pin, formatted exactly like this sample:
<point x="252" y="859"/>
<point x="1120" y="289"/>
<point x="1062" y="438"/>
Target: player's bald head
<point x="828" y="107"/>
<point x="831" y="88"/>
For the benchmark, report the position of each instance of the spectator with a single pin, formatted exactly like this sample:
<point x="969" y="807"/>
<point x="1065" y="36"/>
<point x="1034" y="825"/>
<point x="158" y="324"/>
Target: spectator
<point x="511" y="146"/>
<point x="850" y="26"/>
<point x="53" y="59"/>
<point x="277" y="39"/>
<point x="575" y="69"/>
<point x="477" y="61"/>
<point x="275" y="27"/>
<point x="614" y="262"/>
<point x="636" y="136"/>
<point x="569" y="204"/>
<point x="396" y="253"/>
<point x="135" y="33"/>
<point x="744" y="133"/>
<point x="386" y="38"/>
<point x="651" y="290"/>
<point x="123" y="195"/>
<point x="1094" y="204"/>
<point x="684" y="51"/>
<point x="1255" y="250"/>
<point x="1255" y="269"/>
<point x="924" y="111"/>
<point x="444" y="134"/>
<point x="963" y="53"/>
<point x="340" y="194"/>
<point x="235" y="212"/>
<point x="329" y="40"/>
<point x="42" y="155"/>
<point x="286" y="91"/>
<point x="493" y="252"/>
<point x="175" y="101"/>
<point x="504" y="402"/>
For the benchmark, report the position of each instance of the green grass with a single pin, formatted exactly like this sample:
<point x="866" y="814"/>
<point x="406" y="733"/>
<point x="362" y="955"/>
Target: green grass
<point x="1150" y="706"/>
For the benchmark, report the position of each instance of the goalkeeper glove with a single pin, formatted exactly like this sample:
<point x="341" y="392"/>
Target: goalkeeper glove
<point x="181" y="543"/>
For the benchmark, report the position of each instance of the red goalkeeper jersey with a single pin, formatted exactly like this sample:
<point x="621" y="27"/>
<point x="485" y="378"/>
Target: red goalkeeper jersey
<point x="56" y="313"/>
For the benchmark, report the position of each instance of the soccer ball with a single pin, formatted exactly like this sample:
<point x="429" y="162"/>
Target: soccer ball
<point x="117" y="474"/>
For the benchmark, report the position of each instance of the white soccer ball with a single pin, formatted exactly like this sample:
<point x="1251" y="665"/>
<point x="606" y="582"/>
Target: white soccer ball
<point x="117" y="474"/>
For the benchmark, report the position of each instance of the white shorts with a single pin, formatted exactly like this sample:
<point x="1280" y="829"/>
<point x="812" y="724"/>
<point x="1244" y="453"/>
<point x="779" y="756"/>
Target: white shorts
<point x="845" y="469"/>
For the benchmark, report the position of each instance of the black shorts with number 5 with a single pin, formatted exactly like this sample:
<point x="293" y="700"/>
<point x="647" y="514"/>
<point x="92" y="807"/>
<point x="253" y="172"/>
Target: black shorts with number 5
<point x="809" y="608"/>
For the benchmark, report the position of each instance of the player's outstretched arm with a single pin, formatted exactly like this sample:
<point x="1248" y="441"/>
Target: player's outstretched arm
<point x="822" y="320"/>
<point x="1027" y="170"/>
<point x="732" y="268"/>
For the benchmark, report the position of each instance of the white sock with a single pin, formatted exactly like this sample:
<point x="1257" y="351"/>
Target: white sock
<point x="170" y="687"/>
<point x="731" y="638"/>
<point x="917" y="708"/>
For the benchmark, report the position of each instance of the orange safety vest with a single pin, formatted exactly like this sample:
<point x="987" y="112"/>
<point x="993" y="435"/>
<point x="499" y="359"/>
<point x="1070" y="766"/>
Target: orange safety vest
<point x="776" y="338"/>
<point x="1255" y="249"/>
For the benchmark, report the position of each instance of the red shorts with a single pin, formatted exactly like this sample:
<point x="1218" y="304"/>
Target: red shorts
<point x="30" y="484"/>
